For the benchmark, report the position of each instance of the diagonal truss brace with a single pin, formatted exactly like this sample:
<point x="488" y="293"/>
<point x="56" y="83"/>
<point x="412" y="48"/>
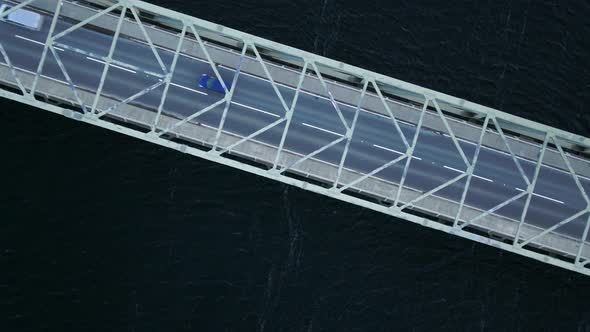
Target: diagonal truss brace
<point x="332" y="100"/>
<point x="289" y="117"/>
<point x="67" y="77"/>
<point x="410" y="153"/>
<point x="48" y="43"/>
<point x="390" y="113"/>
<point x="108" y="60"/>
<point x="531" y="189"/>
<point x="578" y="262"/>
<point x="349" y="134"/>
<point x="505" y="140"/>
<point x="471" y="170"/>
<point x="229" y="96"/>
<point x="288" y="110"/>
<point x="168" y="79"/>
<point x="12" y="70"/>
<point x="149" y="40"/>
<point x="226" y="99"/>
<point x="572" y="217"/>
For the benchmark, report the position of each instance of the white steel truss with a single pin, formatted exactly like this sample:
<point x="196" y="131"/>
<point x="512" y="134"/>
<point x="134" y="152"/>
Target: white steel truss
<point x="163" y="129"/>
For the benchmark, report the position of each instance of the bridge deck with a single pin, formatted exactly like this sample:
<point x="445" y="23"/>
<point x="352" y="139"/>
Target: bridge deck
<point x="308" y="121"/>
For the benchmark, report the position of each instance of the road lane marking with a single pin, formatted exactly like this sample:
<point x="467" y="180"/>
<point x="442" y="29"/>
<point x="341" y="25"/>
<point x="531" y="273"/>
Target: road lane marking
<point x="388" y="149"/>
<point x="395" y="151"/>
<point x="481" y="177"/>
<point x="113" y="65"/>
<point x="542" y="196"/>
<point x="187" y="88"/>
<point x="453" y="169"/>
<point x="460" y="171"/>
<point x="36" y="42"/>
<point x="322" y="129"/>
<point x="255" y="109"/>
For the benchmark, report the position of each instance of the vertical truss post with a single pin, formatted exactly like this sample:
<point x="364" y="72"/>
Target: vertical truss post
<point x="350" y="133"/>
<point x="571" y="170"/>
<point x="149" y="40"/>
<point x="332" y="100"/>
<point x="530" y="189"/>
<point x="67" y="77"/>
<point x="168" y="79"/>
<point x="270" y="79"/>
<point x="552" y="228"/>
<point x="289" y="115"/>
<point x="577" y="262"/>
<point x="108" y="60"/>
<point x="453" y="138"/>
<point x="471" y="170"/>
<point x="410" y="153"/>
<point x="505" y="140"/>
<point x="390" y="113"/>
<point x="48" y="41"/>
<point x="12" y="70"/>
<point x="208" y="57"/>
<point x="229" y="96"/>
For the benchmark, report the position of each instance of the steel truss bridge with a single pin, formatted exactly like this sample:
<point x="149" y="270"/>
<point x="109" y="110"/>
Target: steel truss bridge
<point x="305" y="120"/>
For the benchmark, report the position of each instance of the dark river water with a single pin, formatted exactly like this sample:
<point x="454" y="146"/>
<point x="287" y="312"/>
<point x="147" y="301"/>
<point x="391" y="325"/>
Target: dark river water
<point x="101" y="232"/>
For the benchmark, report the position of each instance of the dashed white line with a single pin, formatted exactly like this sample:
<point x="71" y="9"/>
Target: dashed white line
<point x="113" y="65"/>
<point x="453" y="169"/>
<point x="395" y="151"/>
<point x="388" y="149"/>
<point x="542" y="196"/>
<point x="254" y="109"/>
<point x="189" y="89"/>
<point x="474" y="175"/>
<point x="460" y="171"/>
<point x="322" y="129"/>
<point x="36" y="42"/>
<point x="481" y="177"/>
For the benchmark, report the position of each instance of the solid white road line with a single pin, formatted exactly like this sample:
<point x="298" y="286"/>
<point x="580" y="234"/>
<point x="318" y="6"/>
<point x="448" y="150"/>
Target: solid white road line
<point x="36" y="42"/>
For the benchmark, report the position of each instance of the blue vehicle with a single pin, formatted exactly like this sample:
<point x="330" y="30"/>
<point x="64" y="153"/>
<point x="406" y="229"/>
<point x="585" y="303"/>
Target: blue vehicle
<point x="212" y="83"/>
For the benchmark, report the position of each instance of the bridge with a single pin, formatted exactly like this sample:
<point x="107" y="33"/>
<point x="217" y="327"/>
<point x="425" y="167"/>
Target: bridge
<point x="305" y="120"/>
